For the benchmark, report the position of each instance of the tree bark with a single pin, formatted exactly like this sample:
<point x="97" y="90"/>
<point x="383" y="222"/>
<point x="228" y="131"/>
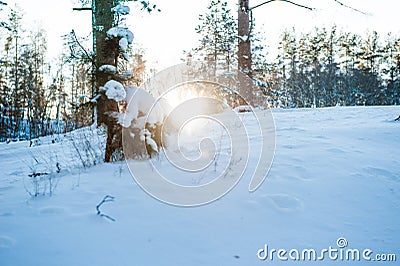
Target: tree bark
<point x="106" y="53"/>
<point x="244" y="52"/>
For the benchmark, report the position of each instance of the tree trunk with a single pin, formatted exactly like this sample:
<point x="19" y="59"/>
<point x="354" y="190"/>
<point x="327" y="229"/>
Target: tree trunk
<point x="103" y="20"/>
<point x="244" y="51"/>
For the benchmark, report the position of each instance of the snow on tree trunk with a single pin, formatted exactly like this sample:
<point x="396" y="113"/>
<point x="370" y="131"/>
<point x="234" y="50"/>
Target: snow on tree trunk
<point x="112" y="42"/>
<point x="104" y="19"/>
<point x="143" y="119"/>
<point x="244" y="50"/>
<point x="115" y="91"/>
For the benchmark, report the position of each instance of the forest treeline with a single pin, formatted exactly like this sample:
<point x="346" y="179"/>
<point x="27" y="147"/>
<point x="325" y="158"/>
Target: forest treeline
<point x="328" y="67"/>
<point x="323" y="67"/>
<point x="39" y="96"/>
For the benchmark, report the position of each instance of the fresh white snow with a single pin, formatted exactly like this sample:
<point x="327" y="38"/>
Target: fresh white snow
<point x="126" y="75"/>
<point x="244" y="38"/>
<point x="123" y="44"/>
<point x="139" y="102"/>
<point x="146" y="135"/>
<point x="126" y="56"/>
<point x="120" y="32"/>
<point x="115" y="90"/>
<point x="108" y="68"/>
<point x="121" y="9"/>
<point x="336" y="174"/>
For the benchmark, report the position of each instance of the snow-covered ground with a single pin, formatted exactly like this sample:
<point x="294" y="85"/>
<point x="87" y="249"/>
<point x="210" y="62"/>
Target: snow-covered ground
<point x="336" y="174"/>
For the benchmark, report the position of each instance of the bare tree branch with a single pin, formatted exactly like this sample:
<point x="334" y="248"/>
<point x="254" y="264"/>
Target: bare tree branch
<point x="82" y="9"/>
<point x="352" y="8"/>
<point x="287" y="1"/>
<point x="83" y="48"/>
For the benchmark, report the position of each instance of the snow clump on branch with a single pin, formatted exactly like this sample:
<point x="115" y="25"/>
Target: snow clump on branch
<point x="140" y="102"/>
<point x="120" y="32"/>
<point x="115" y="90"/>
<point x="121" y="9"/>
<point x="123" y="44"/>
<point x="108" y="69"/>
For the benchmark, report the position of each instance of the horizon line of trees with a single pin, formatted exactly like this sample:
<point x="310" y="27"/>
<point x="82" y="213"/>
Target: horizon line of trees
<point x="327" y="67"/>
<point x="39" y="97"/>
<point x="323" y="67"/>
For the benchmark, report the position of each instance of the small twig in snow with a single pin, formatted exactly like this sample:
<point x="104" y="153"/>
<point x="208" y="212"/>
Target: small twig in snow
<point x="107" y="198"/>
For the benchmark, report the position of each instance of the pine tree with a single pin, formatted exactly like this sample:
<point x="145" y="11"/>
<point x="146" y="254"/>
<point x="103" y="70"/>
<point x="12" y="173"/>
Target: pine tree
<point x="14" y="108"/>
<point x="4" y="24"/>
<point x="138" y="67"/>
<point x="218" y="29"/>
<point x="287" y="65"/>
<point x="390" y="70"/>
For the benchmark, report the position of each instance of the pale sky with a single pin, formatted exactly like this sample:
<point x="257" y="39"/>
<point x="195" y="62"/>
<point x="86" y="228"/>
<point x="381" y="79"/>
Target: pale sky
<point x="165" y="35"/>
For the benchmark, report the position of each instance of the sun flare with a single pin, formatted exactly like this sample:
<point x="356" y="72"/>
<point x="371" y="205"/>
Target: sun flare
<point x="183" y="93"/>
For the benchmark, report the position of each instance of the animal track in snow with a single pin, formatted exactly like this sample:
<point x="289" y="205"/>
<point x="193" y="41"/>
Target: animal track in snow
<point x="285" y="202"/>
<point x="379" y="172"/>
<point x="6" y="242"/>
<point x="5" y="188"/>
<point x="52" y="210"/>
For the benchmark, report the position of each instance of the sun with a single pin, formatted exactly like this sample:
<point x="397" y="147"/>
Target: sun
<point x="184" y="92"/>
